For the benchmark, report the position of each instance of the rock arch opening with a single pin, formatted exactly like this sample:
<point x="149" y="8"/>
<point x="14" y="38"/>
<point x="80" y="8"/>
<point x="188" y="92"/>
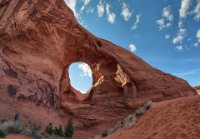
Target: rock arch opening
<point x="80" y="75"/>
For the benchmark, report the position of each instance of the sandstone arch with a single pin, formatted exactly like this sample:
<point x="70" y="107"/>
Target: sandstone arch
<point x="47" y="31"/>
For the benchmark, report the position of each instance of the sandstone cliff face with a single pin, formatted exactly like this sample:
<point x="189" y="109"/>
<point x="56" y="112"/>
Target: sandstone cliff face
<point x="39" y="39"/>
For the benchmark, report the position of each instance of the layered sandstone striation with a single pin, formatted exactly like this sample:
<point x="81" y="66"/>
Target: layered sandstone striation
<point x="39" y="39"/>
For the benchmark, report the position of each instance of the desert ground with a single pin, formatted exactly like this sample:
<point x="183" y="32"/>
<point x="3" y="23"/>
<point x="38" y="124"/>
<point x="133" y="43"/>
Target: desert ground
<point x="178" y="118"/>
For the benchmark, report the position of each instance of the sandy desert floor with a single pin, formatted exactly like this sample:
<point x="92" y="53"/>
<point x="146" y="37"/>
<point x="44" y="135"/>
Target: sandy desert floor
<point x="173" y="119"/>
<point x="178" y="118"/>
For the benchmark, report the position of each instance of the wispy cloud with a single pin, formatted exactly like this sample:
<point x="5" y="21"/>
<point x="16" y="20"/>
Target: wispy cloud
<point x="184" y="8"/>
<point x="182" y="74"/>
<point x="166" y="13"/>
<point x="111" y="15"/>
<point x="178" y="61"/>
<point x="100" y="9"/>
<point x="85" y="3"/>
<point x="196" y="44"/>
<point x="72" y="5"/>
<point x="90" y="10"/>
<point x="132" y="47"/>
<point x="167" y="36"/>
<point x="183" y="12"/>
<point x="126" y="13"/>
<point x="178" y="39"/>
<point x="135" y="25"/>
<point x="85" y="69"/>
<point x="161" y="23"/>
<point x="196" y="11"/>
<point x="180" y="36"/>
<point x="166" y="20"/>
<point x="179" y="47"/>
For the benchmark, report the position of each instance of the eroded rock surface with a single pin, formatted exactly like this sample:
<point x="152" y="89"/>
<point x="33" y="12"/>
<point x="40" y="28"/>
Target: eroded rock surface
<point x="39" y="39"/>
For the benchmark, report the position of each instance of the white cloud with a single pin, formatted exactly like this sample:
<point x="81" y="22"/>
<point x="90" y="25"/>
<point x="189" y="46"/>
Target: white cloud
<point x="181" y="74"/>
<point x="72" y="5"/>
<point x="168" y="25"/>
<point x="196" y="11"/>
<point x="161" y="24"/>
<point x="85" y="3"/>
<point x="179" y="37"/>
<point x="179" y="47"/>
<point x="132" y="47"/>
<point x="85" y="68"/>
<point x="166" y="13"/>
<point x="100" y="9"/>
<point x="182" y="31"/>
<point x="196" y="44"/>
<point x="198" y="36"/>
<point x="167" y="36"/>
<point x="183" y="12"/>
<point x="126" y="13"/>
<point x="111" y="15"/>
<point x="90" y="10"/>
<point x="166" y="20"/>
<point x="111" y="18"/>
<point x="135" y="25"/>
<point x="184" y="8"/>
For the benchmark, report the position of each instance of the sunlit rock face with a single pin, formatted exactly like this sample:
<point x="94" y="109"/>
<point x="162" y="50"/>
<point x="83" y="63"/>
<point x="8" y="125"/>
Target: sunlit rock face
<point x="198" y="89"/>
<point x="39" y="39"/>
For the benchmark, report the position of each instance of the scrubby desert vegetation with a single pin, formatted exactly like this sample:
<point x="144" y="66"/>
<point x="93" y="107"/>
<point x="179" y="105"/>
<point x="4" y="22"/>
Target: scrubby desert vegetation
<point x="177" y="118"/>
<point x="34" y="130"/>
<point x="127" y="122"/>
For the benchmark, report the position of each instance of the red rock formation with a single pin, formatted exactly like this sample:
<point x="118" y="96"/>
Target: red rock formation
<point x="171" y="119"/>
<point x="198" y="89"/>
<point x="39" y="39"/>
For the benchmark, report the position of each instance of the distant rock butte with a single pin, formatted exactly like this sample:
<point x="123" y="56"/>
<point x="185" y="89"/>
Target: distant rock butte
<point x="39" y="39"/>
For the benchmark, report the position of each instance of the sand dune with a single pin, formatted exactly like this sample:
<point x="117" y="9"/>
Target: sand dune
<point x="179" y="118"/>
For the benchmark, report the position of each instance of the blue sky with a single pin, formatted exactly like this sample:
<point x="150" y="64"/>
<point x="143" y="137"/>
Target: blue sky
<point x="80" y="76"/>
<point x="165" y="33"/>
